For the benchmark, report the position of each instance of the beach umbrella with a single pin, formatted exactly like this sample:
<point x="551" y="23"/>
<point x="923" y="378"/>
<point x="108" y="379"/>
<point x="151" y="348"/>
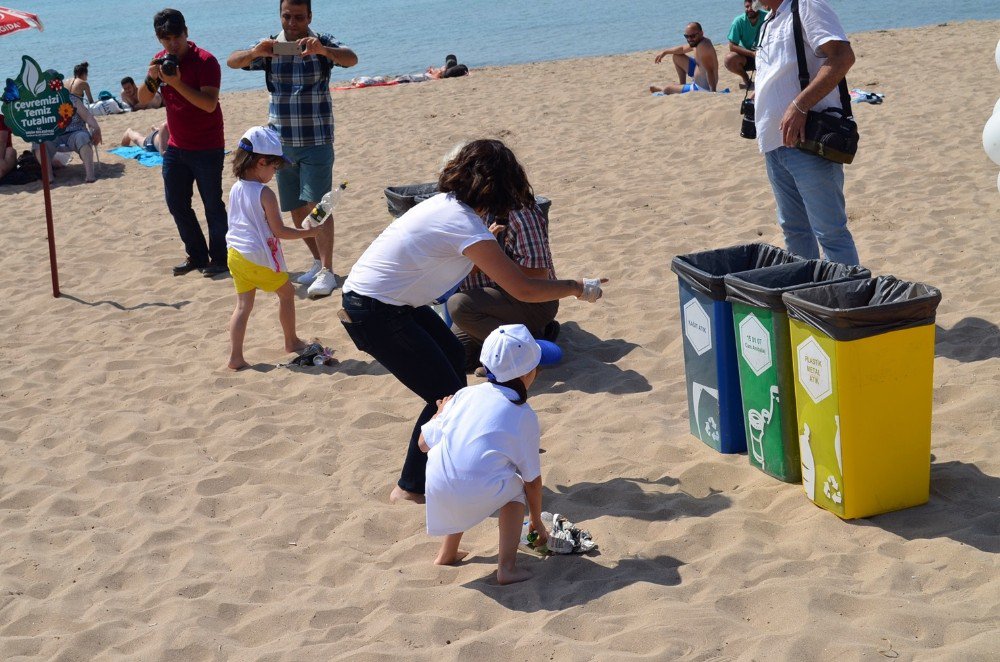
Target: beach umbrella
<point x="12" y="20"/>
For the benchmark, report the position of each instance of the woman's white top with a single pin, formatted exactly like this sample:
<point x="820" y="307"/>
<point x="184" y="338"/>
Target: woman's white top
<point x="248" y="231"/>
<point x="419" y="256"/>
<point x="483" y="449"/>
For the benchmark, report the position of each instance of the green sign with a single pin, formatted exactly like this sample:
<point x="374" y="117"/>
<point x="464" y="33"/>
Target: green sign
<point x="36" y="107"/>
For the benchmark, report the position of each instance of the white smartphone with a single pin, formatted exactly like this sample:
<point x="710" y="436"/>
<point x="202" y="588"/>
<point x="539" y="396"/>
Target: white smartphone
<point x="287" y="48"/>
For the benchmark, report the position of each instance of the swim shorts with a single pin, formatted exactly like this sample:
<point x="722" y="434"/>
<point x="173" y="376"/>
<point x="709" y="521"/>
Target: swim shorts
<point x="248" y="275"/>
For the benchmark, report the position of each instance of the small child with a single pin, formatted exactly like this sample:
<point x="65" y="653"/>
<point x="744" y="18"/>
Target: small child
<point x="255" y="228"/>
<point x="483" y="446"/>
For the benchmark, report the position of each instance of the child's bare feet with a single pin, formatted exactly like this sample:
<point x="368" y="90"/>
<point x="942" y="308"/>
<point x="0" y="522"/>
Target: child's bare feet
<point x="444" y="558"/>
<point x="400" y="495"/>
<point x="512" y="575"/>
<point x="296" y="346"/>
<point x="237" y="364"/>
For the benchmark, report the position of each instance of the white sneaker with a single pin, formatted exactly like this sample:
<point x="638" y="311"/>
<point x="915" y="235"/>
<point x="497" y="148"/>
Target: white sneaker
<point x="323" y="286"/>
<point x="309" y="276"/>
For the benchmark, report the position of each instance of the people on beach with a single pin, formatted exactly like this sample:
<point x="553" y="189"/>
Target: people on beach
<point x="743" y="34"/>
<point x="130" y="95"/>
<point x="425" y="253"/>
<point x="77" y="85"/>
<point x="154" y="141"/>
<point x="808" y="189"/>
<point x="301" y="109"/>
<point x="195" y="153"/>
<point x="482" y="449"/>
<point x="81" y="135"/>
<point x="702" y="68"/>
<point x="480" y="305"/>
<point x="253" y="241"/>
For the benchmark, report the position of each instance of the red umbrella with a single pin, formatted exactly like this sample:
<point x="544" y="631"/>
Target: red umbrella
<point x="12" y="20"/>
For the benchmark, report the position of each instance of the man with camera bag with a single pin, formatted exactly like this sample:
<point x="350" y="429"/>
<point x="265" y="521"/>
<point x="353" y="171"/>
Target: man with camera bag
<point x="297" y="65"/>
<point x="188" y="78"/>
<point x="806" y="175"/>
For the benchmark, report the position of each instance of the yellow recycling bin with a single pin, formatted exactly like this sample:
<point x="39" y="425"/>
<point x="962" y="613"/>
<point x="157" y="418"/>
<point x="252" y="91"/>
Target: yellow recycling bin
<point x="863" y="360"/>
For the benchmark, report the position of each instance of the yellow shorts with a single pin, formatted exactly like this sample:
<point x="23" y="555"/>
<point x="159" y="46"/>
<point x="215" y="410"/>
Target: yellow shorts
<point x="248" y="276"/>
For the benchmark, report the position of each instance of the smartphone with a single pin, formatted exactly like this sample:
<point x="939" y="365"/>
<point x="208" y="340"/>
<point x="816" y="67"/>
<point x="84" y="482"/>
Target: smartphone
<point x="287" y="48"/>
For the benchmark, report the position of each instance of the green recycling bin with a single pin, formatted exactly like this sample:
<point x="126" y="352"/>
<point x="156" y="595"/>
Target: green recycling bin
<point x="764" y="357"/>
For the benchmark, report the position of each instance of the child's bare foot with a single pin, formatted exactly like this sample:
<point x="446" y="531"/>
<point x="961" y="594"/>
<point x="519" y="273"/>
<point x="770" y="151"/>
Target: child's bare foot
<point x="296" y="346"/>
<point x="237" y="365"/>
<point x="445" y="559"/>
<point x="400" y="495"/>
<point x="512" y="576"/>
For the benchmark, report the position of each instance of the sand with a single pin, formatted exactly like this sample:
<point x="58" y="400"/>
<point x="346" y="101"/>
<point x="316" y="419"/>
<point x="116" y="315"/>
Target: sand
<point x="154" y="506"/>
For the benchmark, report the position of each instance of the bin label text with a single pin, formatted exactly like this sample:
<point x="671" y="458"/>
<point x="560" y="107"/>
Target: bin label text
<point x="697" y="327"/>
<point x="814" y="370"/>
<point x="755" y="344"/>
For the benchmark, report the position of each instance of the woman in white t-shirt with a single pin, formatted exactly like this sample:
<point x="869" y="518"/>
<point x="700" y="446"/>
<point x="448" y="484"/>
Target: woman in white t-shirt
<point x="422" y="255"/>
<point x="482" y="450"/>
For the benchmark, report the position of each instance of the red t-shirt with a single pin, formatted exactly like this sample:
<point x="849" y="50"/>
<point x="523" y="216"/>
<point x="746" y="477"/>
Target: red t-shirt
<point x="7" y="137"/>
<point x="190" y="126"/>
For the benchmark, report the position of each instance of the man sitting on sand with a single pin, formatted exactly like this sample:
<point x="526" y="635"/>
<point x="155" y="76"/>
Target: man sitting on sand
<point x="703" y="68"/>
<point x="130" y="95"/>
<point x="742" y="56"/>
<point x="154" y="141"/>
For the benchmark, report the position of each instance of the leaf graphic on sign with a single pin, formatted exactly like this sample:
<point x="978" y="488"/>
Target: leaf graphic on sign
<point x="31" y="77"/>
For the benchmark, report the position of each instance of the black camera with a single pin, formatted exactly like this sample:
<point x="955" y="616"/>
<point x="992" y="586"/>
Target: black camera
<point x="168" y="64"/>
<point x="748" y="128"/>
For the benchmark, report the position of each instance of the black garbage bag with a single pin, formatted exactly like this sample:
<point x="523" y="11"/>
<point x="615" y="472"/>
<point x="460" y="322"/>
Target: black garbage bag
<point x="401" y="199"/>
<point x="763" y="287"/>
<point x="704" y="271"/>
<point x="864" y="308"/>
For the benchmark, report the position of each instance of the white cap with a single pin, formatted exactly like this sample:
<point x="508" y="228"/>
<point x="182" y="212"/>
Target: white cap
<point x="509" y="352"/>
<point x="262" y="140"/>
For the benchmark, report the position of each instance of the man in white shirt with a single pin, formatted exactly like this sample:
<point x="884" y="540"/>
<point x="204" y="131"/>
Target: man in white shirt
<point x="808" y="189"/>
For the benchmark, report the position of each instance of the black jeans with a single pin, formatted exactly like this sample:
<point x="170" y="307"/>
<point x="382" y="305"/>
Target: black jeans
<point x="181" y="169"/>
<point x="416" y="346"/>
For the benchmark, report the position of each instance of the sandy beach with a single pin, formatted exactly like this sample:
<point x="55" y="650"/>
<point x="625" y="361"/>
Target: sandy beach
<point x="155" y="506"/>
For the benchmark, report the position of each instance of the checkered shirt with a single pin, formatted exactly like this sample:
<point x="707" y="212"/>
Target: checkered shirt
<point x="525" y="241"/>
<point x="301" y="109"/>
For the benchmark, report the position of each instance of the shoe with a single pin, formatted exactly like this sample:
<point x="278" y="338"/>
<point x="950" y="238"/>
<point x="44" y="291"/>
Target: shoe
<point x="188" y="266"/>
<point x="214" y="269"/>
<point x="323" y="286"/>
<point x="551" y="331"/>
<point x="308" y="277"/>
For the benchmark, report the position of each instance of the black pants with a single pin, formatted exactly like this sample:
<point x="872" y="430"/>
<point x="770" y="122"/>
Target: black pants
<point x="416" y="346"/>
<point x="182" y="169"/>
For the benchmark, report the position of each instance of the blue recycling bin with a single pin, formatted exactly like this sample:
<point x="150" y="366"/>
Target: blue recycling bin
<point x="711" y="371"/>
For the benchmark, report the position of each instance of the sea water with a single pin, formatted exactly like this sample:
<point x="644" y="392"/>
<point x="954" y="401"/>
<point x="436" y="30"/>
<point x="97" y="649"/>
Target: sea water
<point x="404" y="36"/>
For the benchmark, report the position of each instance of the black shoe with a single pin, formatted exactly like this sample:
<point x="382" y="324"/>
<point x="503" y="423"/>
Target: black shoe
<point x="551" y="331"/>
<point x="214" y="269"/>
<point x="187" y="266"/>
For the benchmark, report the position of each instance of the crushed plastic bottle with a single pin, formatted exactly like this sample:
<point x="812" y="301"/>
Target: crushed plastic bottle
<point x="322" y="211"/>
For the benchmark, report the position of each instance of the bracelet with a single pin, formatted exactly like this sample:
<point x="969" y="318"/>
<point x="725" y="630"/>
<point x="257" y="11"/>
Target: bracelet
<point x="152" y="84"/>
<point x="798" y="109"/>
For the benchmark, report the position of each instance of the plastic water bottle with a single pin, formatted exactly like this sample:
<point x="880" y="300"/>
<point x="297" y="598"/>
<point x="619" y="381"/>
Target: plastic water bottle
<point x="322" y="211"/>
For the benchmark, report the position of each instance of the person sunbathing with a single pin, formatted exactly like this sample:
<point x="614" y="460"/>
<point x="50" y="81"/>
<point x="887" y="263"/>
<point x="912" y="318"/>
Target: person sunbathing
<point x="154" y="141"/>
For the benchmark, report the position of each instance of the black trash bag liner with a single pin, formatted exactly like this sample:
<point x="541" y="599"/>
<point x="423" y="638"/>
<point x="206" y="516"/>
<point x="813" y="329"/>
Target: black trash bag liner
<point x="400" y="199"/>
<point x="763" y="287"/>
<point x="864" y="308"/>
<point x="705" y="271"/>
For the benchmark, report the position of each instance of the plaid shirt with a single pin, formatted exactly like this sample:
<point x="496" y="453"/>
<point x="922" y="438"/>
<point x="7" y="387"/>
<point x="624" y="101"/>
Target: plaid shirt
<point x="525" y="241"/>
<point x="301" y="109"/>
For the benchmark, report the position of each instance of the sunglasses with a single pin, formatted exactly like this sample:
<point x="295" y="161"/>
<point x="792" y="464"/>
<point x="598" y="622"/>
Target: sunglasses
<point x="690" y="36"/>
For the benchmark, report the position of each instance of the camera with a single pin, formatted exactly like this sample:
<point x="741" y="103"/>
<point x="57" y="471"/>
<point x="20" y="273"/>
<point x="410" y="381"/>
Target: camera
<point x="168" y="64"/>
<point x="748" y="128"/>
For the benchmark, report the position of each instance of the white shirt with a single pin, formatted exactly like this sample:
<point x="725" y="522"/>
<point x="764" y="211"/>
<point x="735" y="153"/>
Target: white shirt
<point x="248" y="231"/>
<point x="777" y="82"/>
<point x="419" y="256"/>
<point x="483" y="449"/>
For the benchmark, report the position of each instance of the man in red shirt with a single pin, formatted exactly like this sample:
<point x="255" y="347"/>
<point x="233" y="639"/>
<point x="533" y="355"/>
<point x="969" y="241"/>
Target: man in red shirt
<point x="188" y="79"/>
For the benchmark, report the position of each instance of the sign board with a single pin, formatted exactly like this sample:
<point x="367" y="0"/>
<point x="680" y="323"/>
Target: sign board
<point x="35" y="106"/>
<point x="697" y="327"/>
<point x="755" y="344"/>
<point x="814" y="370"/>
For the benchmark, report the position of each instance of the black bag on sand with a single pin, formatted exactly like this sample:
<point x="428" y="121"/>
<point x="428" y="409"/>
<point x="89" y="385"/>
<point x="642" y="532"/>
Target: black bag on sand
<point x="28" y="170"/>
<point x="832" y="133"/>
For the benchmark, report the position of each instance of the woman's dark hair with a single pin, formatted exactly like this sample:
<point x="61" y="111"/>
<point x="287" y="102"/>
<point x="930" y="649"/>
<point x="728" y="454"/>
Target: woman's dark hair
<point x="169" y="23"/>
<point x="517" y="386"/>
<point x="81" y="69"/>
<point x="244" y="161"/>
<point x="487" y="176"/>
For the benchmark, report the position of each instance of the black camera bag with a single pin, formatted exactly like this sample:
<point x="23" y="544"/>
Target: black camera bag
<point x="832" y="133"/>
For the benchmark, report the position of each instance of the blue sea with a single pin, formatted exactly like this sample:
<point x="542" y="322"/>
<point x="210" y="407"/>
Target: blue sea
<point x="403" y="36"/>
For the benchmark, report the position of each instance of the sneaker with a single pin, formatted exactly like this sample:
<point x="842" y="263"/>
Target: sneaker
<point x="214" y="269"/>
<point x="308" y="277"/>
<point x="324" y="284"/>
<point x="188" y="266"/>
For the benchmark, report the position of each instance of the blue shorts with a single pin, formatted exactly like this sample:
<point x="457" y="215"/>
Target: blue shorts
<point x="307" y="178"/>
<point x="692" y="65"/>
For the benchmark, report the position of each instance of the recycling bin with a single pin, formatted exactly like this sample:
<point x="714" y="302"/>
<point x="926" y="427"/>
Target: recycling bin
<point x="764" y="357"/>
<point x="715" y="410"/>
<point x="863" y="366"/>
<point x="399" y="199"/>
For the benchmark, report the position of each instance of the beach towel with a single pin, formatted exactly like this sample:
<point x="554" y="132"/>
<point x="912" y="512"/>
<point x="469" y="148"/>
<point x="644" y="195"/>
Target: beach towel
<point x="148" y="159"/>
<point x="361" y="87"/>
<point x="861" y="96"/>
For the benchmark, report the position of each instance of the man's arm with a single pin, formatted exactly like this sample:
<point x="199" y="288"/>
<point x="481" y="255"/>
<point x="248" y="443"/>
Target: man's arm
<point x="745" y="52"/>
<point x="203" y="98"/>
<point x="676" y="50"/>
<point x="710" y="61"/>
<point x="242" y="59"/>
<point x="839" y="60"/>
<point x="339" y="55"/>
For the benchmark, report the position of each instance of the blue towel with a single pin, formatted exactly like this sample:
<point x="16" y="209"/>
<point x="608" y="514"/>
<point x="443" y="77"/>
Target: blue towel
<point x="148" y="159"/>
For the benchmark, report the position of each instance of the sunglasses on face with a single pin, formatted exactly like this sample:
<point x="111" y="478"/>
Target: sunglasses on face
<point x="690" y="36"/>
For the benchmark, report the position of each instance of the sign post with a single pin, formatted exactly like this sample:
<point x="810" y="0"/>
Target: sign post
<point x="37" y="108"/>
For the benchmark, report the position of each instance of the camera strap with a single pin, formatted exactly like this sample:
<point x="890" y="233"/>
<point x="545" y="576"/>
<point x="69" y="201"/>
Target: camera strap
<point x="800" y="52"/>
